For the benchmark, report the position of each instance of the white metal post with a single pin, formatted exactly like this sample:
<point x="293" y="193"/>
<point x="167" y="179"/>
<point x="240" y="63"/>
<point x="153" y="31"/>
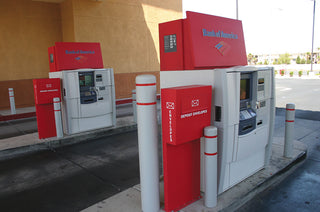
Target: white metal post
<point x="289" y="130"/>
<point x="12" y="103"/>
<point x="57" y="116"/>
<point x="210" y="166"/>
<point x="134" y="105"/>
<point x="148" y="142"/>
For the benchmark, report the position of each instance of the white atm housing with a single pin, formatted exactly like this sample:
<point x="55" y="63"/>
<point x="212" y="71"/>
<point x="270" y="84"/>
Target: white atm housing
<point x="243" y="110"/>
<point x="88" y="99"/>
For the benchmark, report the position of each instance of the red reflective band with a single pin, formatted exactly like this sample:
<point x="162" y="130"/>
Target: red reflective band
<point x="150" y="84"/>
<point x="211" y="136"/>
<point x="151" y="103"/>
<point x="56" y="110"/>
<point x="211" y="154"/>
<point x="289" y="120"/>
<point x="290" y="109"/>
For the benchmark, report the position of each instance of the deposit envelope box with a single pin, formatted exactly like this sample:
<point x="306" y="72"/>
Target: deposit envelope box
<point x="186" y="111"/>
<point x="44" y="92"/>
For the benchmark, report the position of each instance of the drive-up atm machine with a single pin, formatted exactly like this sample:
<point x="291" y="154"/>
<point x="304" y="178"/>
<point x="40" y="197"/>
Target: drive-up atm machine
<point x="244" y="116"/>
<point x="243" y="111"/>
<point x="88" y="92"/>
<point x="243" y="105"/>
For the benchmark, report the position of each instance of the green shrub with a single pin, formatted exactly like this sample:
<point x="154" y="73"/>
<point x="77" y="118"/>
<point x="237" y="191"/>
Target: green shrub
<point x="291" y="73"/>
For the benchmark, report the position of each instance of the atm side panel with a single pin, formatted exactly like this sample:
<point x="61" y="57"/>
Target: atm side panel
<point x="226" y="101"/>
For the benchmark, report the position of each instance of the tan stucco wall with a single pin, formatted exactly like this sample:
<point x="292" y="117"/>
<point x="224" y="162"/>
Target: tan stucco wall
<point x="126" y="29"/>
<point x="27" y="29"/>
<point x="67" y="21"/>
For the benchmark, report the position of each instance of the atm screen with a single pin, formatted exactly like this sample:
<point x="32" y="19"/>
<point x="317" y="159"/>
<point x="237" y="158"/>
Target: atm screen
<point x="244" y="89"/>
<point x="86" y="79"/>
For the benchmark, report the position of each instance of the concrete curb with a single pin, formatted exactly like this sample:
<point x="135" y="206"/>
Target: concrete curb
<point x="51" y="143"/>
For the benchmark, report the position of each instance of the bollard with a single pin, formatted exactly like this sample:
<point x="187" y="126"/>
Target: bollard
<point x="289" y="130"/>
<point x="57" y="116"/>
<point x="134" y="106"/>
<point x="148" y="142"/>
<point x="12" y="103"/>
<point x="210" y="166"/>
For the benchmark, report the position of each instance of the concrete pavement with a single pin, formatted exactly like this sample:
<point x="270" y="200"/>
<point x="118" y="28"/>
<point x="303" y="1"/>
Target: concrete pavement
<point x="230" y="200"/>
<point x="299" y="191"/>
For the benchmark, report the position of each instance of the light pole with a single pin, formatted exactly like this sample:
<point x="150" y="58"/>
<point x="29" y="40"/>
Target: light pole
<point x="237" y="10"/>
<point x="314" y="11"/>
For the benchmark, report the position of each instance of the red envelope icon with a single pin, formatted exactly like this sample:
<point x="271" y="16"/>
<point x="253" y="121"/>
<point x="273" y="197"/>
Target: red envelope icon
<point x="170" y="105"/>
<point x="195" y="103"/>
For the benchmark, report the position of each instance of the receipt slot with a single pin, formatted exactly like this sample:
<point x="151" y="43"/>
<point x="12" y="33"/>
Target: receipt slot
<point x="44" y="92"/>
<point x="186" y="111"/>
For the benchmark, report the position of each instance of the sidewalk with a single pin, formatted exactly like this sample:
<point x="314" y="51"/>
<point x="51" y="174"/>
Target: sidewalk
<point x="19" y="145"/>
<point x="26" y="112"/>
<point x="29" y="142"/>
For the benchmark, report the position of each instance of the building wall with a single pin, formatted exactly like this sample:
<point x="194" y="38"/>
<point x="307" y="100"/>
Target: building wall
<point x="27" y="29"/>
<point x="126" y="29"/>
<point x="128" y="33"/>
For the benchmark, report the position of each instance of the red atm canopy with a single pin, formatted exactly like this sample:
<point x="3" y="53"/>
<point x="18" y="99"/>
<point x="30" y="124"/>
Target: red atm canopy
<point x="74" y="55"/>
<point x="201" y="42"/>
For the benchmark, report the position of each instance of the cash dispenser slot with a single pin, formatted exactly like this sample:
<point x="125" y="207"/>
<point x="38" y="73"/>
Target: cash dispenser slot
<point x="247" y="121"/>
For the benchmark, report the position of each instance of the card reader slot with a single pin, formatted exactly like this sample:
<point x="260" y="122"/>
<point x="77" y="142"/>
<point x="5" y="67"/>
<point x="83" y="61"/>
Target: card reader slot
<point x="259" y="123"/>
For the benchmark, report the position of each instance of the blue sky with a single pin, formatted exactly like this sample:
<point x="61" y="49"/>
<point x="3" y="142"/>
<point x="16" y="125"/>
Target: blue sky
<point x="270" y="26"/>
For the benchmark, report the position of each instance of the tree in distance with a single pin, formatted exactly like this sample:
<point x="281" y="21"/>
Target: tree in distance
<point x="284" y="59"/>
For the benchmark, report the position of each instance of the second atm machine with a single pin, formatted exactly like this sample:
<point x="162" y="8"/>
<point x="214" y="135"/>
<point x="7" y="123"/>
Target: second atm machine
<point x="88" y="91"/>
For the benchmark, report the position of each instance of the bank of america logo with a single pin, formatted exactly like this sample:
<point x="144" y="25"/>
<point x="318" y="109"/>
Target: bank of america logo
<point x="81" y="59"/>
<point x="222" y="47"/>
